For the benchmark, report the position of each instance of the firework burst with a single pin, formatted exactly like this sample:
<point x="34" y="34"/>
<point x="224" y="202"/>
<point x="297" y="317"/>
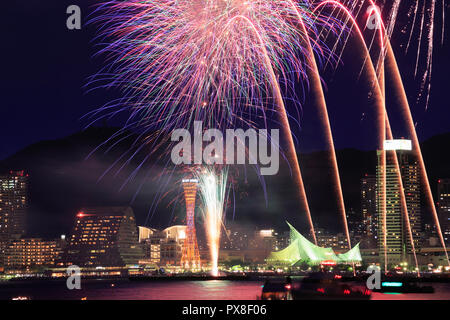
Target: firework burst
<point x="421" y="30"/>
<point x="183" y="60"/>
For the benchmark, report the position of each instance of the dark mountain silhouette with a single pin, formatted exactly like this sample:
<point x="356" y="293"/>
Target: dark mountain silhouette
<point x="64" y="179"/>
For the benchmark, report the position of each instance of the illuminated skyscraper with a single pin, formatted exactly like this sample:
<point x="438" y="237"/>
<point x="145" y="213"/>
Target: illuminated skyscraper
<point x="369" y="206"/>
<point x="13" y="205"/>
<point x="411" y="184"/>
<point x="444" y="207"/>
<point x="398" y="242"/>
<point x="190" y="258"/>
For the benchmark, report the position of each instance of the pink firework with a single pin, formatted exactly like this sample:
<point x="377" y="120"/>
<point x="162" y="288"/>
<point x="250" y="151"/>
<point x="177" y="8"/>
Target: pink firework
<point x="183" y="60"/>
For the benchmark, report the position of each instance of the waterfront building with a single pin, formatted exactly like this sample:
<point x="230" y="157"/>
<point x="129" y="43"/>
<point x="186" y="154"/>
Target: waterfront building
<point x="164" y="247"/>
<point x="301" y="250"/>
<point x="104" y="236"/>
<point x="432" y="256"/>
<point x="32" y="253"/>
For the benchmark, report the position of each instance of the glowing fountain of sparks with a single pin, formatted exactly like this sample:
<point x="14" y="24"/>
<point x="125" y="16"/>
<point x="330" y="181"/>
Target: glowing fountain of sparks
<point x="212" y="187"/>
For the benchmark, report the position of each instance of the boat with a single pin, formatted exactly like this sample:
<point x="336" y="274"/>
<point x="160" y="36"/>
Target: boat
<point x="329" y="286"/>
<point x="316" y="286"/>
<point x="276" y="290"/>
<point x="403" y="286"/>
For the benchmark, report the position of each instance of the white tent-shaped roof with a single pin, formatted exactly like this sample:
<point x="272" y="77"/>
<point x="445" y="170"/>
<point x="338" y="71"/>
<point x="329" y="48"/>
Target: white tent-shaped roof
<point x="301" y="249"/>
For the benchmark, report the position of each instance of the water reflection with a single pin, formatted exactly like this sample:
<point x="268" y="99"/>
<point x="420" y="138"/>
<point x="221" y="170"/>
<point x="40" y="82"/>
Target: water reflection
<point x="169" y="290"/>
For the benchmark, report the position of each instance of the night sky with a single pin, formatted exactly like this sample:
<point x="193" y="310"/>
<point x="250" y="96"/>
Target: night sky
<point x="46" y="66"/>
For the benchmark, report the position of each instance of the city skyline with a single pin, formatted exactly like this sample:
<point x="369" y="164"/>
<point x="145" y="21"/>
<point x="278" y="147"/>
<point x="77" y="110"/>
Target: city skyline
<point x="307" y="121"/>
<point x="313" y="167"/>
<point x="96" y="225"/>
<point x="225" y="149"/>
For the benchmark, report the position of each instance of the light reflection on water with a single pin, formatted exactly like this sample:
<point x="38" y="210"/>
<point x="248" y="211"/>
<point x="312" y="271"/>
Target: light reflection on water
<point x="170" y="290"/>
<point x="130" y="290"/>
<point x="194" y="290"/>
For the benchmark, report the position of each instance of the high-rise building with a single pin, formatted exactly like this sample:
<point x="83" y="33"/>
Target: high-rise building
<point x="191" y="255"/>
<point x="283" y="240"/>
<point x="104" y="236"/>
<point x="13" y="205"/>
<point x="356" y="226"/>
<point x="398" y="243"/>
<point x="337" y="242"/>
<point x="369" y="207"/>
<point x="443" y="206"/>
<point x="237" y="236"/>
<point x="266" y="239"/>
<point x="411" y="185"/>
<point x="390" y="229"/>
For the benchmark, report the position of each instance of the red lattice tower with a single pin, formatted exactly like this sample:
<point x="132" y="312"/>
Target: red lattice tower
<point x="190" y="258"/>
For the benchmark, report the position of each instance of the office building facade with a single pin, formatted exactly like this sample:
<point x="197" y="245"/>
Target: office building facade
<point x="396" y="239"/>
<point x="369" y="208"/>
<point x="13" y="205"/>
